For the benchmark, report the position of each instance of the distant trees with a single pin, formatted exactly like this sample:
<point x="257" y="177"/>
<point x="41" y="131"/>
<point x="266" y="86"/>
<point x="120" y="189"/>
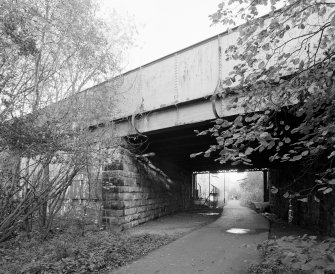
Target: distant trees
<point x="252" y="187"/>
<point x="285" y="74"/>
<point x="50" y="50"/>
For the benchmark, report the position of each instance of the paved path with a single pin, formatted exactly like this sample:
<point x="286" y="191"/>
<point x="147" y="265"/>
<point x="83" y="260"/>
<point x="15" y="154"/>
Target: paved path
<point x="210" y="249"/>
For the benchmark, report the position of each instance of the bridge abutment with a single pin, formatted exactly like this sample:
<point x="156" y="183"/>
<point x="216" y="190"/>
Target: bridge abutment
<point x="134" y="191"/>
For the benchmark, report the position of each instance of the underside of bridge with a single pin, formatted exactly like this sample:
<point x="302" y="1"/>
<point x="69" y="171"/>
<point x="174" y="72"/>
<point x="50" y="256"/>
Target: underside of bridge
<point x="153" y="175"/>
<point x="176" y="144"/>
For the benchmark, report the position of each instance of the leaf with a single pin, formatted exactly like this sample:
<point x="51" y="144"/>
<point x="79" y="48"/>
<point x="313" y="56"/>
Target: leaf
<point x="332" y="22"/>
<point x="271" y="144"/>
<point x="331" y="182"/>
<point x="328" y="190"/>
<point x="203" y="133"/>
<point x="248" y="151"/>
<point x="286" y="195"/>
<point x="296" y="158"/>
<point x="295" y="61"/>
<point x="193" y="155"/>
<point x="236" y="163"/>
<point x="316" y="199"/>
<point x="287" y="140"/>
<point x="266" y="47"/>
<point x="295" y="130"/>
<point x="304" y="200"/>
<point x="322" y="188"/>
<point x="274" y="190"/>
<point x="264" y="135"/>
<point x="301" y="65"/>
<point x="261" y="65"/>
<point x="304" y="153"/>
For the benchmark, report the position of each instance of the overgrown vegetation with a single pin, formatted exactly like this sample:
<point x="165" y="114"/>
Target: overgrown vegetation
<point x="252" y="188"/>
<point x="296" y="254"/>
<point x="70" y="252"/>
<point x="51" y="50"/>
<point x="282" y="87"/>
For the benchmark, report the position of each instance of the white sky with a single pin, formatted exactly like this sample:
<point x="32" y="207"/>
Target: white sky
<point x="166" y="26"/>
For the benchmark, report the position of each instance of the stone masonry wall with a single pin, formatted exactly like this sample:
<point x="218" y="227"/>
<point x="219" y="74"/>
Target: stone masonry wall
<point x="134" y="193"/>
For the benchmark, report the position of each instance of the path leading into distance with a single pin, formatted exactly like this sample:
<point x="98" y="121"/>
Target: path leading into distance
<point x="210" y="249"/>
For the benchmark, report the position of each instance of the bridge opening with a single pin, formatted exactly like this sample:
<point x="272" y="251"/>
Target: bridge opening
<point x="201" y="181"/>
<point x="169" y="183"/>
<point x="215" y="189"/>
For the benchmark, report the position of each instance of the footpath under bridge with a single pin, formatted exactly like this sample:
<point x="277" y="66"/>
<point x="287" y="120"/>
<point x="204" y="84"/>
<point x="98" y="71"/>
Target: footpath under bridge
<point x="161" y="103"/>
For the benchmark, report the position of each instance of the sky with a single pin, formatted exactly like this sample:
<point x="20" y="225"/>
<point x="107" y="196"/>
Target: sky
<point x="165" y="26"/>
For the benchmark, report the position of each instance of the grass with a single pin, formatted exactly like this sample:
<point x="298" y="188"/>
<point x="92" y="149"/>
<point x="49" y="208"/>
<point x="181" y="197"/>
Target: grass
<point x="69" y="252"/>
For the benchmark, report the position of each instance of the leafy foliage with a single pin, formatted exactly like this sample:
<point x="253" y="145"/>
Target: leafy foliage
<point x="50" y="50"/>
<point x="53" y="49"/>
<point x="284" y="78"/>
<point x="296" y="254"/>
<point x="252" y="188"/>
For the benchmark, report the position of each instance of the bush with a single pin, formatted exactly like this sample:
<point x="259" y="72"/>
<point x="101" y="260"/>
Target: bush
<point x="295" y="254"/>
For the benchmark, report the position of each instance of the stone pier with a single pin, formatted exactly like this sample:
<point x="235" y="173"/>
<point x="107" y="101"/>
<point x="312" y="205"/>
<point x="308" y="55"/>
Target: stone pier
<point x="134" y="191"/>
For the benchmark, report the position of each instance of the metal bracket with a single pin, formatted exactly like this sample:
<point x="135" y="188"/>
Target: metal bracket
<point x="132" y="121"/>
<point x="214" y="107"/>
<point x="218" y="89"/>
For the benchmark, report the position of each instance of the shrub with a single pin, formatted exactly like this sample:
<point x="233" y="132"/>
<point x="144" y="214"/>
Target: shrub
<point x="295" y="254"/>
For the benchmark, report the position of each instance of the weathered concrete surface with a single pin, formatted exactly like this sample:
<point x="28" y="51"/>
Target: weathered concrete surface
<point x="210" y="249"/>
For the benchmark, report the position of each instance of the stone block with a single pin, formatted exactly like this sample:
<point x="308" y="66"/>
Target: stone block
<point x="130" y="174"/>
<point x="115" y="165"/>
<point x="110" y="220"/>
<point x="113" y="204"/>
<point x="116" y="181"/>
<point x="130" y="181"/>
<point x="107" y="213"/>
<point x="130" y="211"/>
<point x="119" y="212"/>
<point x="131" y="203"/>
<point x="130" y="189"/>
<point x="131" y="167"/>
<point x="130" y="196"/>
<point x="129" y="218"/>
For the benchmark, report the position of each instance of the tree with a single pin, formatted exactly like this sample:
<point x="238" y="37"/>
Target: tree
<point x="51" y="50"/>
<point x="284" y="75"/>
<point x="252" y="187"/>
<point x="68" y="45"/>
